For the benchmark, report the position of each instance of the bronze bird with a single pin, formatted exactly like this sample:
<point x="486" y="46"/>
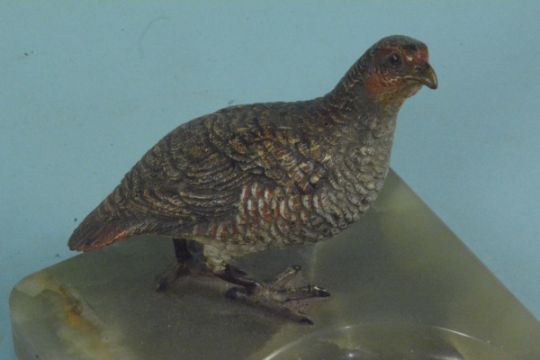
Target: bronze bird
<point x="253" y="177"/>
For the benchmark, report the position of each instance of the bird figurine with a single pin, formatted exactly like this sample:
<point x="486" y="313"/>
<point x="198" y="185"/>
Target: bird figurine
<point x="249" y="178"/>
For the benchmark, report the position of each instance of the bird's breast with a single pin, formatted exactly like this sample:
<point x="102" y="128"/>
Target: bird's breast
<point x="274" y="217"/>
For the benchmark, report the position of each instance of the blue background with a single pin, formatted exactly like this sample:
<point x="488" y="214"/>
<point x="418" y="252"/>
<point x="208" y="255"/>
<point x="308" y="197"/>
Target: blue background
<point x="86" y="88"/>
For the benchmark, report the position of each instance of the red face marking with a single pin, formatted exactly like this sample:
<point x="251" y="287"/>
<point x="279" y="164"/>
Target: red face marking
<point x="414" y="58"/>
<point x="379" y="83"/>
<point x="376" y="84"/>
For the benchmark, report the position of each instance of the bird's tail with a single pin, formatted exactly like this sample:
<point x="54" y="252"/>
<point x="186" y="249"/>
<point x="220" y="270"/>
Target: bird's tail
<point x="95" y="232"/>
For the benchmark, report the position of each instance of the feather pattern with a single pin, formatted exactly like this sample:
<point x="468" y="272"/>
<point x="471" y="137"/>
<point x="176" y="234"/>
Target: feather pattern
<point x="252" y="177"/>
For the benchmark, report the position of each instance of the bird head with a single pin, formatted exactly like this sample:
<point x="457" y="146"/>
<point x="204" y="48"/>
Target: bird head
<point x="394" y="69"/>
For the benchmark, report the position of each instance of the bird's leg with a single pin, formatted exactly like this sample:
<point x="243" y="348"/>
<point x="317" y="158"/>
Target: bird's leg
<point x="182" y="267"/>
<point x="281" y="295"/>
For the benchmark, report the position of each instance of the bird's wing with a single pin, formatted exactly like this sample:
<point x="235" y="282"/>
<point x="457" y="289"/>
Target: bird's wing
<point x="197" y="172"/>
<point x="278" y="141"/>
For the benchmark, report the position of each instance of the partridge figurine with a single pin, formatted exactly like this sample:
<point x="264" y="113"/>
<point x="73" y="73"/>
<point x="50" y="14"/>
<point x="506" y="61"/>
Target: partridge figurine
<point x="253" y="177"/>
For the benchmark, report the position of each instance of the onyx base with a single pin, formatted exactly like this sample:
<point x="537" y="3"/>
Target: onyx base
<point x="403" y="286"/>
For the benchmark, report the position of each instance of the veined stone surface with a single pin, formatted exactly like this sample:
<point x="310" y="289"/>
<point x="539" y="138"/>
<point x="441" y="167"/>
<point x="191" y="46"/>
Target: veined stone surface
<point x="399" y="271"/>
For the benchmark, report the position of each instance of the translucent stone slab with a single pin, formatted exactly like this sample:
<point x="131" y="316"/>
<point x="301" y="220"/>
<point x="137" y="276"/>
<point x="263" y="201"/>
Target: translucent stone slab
<point x="403" y="287"/>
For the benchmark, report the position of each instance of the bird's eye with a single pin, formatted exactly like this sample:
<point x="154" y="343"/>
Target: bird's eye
<point x="394" y="60"/>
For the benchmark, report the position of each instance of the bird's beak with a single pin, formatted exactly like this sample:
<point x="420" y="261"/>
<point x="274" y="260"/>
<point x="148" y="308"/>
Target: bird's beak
<point x="427" y="77"/>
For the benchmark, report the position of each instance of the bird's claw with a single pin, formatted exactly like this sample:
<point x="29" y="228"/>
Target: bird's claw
<point x="277" y="306"/>
<point x="281" y="295"/>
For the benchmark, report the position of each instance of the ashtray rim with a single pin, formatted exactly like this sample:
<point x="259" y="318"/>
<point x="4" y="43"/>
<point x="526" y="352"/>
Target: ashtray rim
<point x="398" y="326"/>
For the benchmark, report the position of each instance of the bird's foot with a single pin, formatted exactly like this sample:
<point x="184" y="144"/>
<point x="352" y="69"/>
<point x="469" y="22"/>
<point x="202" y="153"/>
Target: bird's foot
<point x="281" y="295"/>
<point x="179" y="270"/>
<point x="170" y="275"/>
<point x="188" y="262"/>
